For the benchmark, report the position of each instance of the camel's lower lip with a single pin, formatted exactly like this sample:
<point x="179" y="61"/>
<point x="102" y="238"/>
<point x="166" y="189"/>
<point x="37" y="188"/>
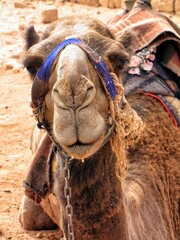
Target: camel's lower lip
<point x="79" y="144"/>
<point x="82" y="150"/>
<point x="79" y="150"/>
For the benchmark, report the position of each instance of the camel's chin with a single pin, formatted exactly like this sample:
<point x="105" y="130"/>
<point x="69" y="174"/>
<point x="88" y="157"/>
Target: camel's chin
<point x="82" y="151"/>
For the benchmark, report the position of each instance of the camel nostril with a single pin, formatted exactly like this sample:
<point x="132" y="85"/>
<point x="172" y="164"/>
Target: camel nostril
<point x="79" y="97"/>
<point x="88" y="97"/>
<point x="89" y="93"/>
<point x="58" y="100"/>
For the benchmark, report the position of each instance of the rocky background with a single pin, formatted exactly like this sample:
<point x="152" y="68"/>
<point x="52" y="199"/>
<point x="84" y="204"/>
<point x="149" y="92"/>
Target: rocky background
<point x="16" y="118"/>
<point x="160" y="5"/>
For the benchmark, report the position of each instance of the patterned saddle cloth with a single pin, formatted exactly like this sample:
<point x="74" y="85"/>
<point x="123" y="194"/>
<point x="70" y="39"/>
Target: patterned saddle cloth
<point x="155" y="67"/>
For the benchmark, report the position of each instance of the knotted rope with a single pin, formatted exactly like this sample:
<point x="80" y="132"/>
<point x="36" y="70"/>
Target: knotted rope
<point x="128" y="126"/>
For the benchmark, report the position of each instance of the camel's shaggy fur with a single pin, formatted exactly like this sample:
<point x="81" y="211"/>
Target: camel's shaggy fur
<point x="129" y="188"/>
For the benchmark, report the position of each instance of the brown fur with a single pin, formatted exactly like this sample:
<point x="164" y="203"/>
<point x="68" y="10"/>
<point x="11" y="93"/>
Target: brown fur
<point x="154" y="175"/>
<point x="141" y="203"/>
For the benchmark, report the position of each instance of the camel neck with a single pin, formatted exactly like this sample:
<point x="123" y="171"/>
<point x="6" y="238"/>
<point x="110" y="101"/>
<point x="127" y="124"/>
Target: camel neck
<point x="96" y="197"/>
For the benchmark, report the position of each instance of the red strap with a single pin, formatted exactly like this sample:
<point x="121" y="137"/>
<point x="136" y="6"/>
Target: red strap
<point x="165" y="106"/>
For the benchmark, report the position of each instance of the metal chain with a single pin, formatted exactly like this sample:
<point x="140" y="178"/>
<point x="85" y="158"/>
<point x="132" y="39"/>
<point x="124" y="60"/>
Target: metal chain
<point x="67" y="194"/>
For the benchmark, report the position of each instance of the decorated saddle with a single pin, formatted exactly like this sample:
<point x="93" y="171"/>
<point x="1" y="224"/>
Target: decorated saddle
<point x="155" y="66"/>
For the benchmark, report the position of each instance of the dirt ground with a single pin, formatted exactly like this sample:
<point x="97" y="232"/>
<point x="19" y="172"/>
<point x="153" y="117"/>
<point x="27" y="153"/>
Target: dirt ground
<point x="16" y="118"/>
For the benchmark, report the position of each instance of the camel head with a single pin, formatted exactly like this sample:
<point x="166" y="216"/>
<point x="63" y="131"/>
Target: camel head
<point x="74" y="96"/>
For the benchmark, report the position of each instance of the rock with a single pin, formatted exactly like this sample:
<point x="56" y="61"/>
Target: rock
<point x="49" y="2"/>
<point x="16" y="70"/>
<point x="21" y="27"/>
<point x="54" y="236"/>
<point x="8" y="190"/>
<point x="49" y="15"/>
<point x="39" y="235"/>
<point x="7" y="210"/>
<point x="166" y="6"/>
<point x="118" y="3"/>
<point x="104" y="3"/>
<point x="162" y="6"/>
<point x="12" y="65"/>
<point x="111" y="4"/>
<point x="1" y="234"/>
<point x="94" y="3"/>
<point x="177" y="6"/>
<point x="155" y="4"/>
<point x="8" y="42"/>
<point x="9" y="66"/>
<point x="59" y="3"/>
<point x="11" y="33"/>
<point x="19" y="5"/>
<point x="16" y="55"/>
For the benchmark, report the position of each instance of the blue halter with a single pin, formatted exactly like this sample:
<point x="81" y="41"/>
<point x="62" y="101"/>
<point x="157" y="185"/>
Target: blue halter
<point x="98" y="63"/>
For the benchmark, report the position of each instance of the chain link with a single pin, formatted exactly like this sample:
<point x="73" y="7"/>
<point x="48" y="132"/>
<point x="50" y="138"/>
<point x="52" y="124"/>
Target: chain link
<point x="69" y="208"/>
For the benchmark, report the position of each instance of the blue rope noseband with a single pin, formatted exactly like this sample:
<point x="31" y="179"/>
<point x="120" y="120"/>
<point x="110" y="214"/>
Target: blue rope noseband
<point x="40" y="85"/>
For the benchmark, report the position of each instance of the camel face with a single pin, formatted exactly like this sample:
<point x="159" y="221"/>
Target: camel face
<point x="76" y="102"/>
<point x="80" y="104"/>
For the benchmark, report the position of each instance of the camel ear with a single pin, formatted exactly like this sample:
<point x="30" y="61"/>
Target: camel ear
<point x="118" y="57"/>
<point x="31" y="37"/>
<point x="120" y="51"/>
<point x="118" y="61"/>
<point x="126" y="39"/>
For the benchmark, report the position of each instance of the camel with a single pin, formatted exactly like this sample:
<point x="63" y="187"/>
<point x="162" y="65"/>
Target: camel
<point x="113" y="170"/>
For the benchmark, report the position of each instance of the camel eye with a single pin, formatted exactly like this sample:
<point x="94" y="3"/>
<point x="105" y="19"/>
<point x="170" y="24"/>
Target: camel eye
<point x="31" y="69"/>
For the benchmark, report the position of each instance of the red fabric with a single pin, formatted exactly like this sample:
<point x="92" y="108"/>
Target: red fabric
<point x="164" y="105"/>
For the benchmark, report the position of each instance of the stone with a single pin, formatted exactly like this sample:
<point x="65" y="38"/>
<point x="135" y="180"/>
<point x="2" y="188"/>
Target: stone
<point x="177" y="6"/>
<point x="111" y="4"/>
<point x="19" y="5"/>
<point x="93" y="3"/>
<point x="16" y="67"/>
<point x="162" y="6"/>
<point x="16" y="55"/>
<point x="12" y="65"/>
<point x="55" y="236"/>
<point x="118" y="3"/>
<point x="8" y="190"/>
<point x="59" y="3"/>
<point x="1" y="234"/>
<point x="22" y="27"/>
<point x="49" y="2"/>
<point x="166" y="6"/>
<point x="39" y="235"/>
<point x="16" y="70"/>
<point x="49" y="15"/>
<point x="155" y="4"/>
<point x="8" y="66"/>
<point x="104" y="3"/>
<point x="115" y="4"/>
<point x="8" y="42"/>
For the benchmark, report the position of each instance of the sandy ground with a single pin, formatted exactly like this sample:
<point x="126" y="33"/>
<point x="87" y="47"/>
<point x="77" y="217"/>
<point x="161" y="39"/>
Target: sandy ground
<point x="16" y="119"/>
